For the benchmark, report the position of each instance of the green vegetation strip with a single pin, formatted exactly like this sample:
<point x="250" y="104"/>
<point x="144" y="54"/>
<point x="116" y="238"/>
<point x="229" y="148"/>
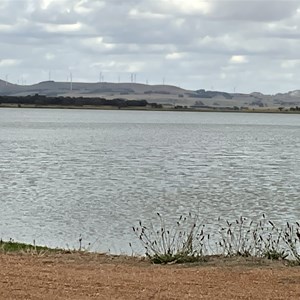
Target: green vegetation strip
<point x="12" y="246"/>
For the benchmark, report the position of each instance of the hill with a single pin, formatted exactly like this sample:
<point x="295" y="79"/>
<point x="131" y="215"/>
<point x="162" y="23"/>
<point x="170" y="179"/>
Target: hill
<point x="163" y="94"/>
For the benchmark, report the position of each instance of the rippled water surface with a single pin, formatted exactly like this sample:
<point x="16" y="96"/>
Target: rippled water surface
<point x="66" y="173"/>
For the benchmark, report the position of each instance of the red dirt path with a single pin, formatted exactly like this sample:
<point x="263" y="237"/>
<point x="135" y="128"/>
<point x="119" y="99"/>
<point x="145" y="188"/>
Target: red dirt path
<point x="90" y="276"/>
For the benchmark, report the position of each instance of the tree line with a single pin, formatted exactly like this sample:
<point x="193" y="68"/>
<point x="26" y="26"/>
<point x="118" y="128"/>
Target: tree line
<point x="70" y="101"/>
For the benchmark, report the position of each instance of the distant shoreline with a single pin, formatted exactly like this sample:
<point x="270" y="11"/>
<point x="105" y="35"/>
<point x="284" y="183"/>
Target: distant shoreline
<point x="138" y="108"/>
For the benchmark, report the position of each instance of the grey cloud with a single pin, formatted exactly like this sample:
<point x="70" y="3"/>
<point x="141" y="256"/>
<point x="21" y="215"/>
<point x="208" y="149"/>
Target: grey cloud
<point x="190" y="46"/>
<point x="253" y="10"/>
<point x="10" y="11"/>
<point x="54" y="15"/>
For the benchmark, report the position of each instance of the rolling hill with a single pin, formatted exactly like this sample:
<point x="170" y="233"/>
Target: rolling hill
<point x="163" y="94"/>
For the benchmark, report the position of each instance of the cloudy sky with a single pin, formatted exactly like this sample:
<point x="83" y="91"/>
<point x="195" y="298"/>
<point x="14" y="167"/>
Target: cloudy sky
<point x="241" y="45"/>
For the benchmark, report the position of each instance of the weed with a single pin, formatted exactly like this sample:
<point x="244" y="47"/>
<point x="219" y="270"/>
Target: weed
<point x="184" y="242"/>
<point x="291" y="237"/>
<point x="245" y="237"/>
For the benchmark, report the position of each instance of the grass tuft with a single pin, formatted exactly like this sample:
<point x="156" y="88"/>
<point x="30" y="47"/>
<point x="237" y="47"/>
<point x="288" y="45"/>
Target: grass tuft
<point x="186" y="241"/>
<point x="183" y="242"/>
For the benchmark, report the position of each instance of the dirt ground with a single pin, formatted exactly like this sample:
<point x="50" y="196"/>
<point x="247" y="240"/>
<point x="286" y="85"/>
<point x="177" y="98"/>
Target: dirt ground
<point x="91" y="276"/>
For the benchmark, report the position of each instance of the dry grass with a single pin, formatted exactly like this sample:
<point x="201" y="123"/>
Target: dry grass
<point x="187" y="241"/>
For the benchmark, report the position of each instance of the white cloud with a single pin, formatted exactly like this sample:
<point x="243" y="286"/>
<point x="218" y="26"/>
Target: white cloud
<point x="238" y="59"/>
<point x="5" y="28"/>
<point x="49" y="56"/>
<point x="45" y="3"/>
<point x="97" y="44"/>
<point x="60" y="28"/>
<point x="83" y="7"/>
<point x="136" y="13"/>
<point x="290" y="64"/>
<point x="174" y="55"/>
<point x="8" y="62"/>
<point x="189" y="6"/>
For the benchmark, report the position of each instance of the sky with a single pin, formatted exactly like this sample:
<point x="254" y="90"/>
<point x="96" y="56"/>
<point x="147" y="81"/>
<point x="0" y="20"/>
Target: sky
<point x="234" y="46"/>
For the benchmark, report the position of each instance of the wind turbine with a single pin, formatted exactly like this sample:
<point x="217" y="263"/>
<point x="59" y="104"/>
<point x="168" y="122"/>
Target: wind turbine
<point x="71" y="81"/>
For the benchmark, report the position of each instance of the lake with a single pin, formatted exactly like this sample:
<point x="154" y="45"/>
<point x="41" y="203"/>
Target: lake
<point x="93" y="173"/>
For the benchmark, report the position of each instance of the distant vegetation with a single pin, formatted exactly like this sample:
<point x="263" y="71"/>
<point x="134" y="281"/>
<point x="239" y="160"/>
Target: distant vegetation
<point x="297" y="108"/>
<point x="70" y="101"/>
<point x="210" y="94"/>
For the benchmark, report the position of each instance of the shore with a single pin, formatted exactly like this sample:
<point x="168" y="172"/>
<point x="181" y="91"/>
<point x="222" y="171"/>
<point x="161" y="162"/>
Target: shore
<point x="80" y="275"/>
<point x="133" y="108"/>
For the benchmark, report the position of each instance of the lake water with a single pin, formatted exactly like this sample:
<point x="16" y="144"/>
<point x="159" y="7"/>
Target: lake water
<point x="66" y="173"/>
